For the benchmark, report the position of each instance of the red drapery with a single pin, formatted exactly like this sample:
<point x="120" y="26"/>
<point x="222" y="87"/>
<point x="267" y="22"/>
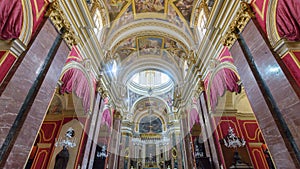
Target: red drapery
<point x="194" y="118"/>
<point x="75" y="80"/>
<point x="288" y="19"/>
<point x="106" y="118"/>
<point x="224" y="80"/>
<point x="11" y="18"/>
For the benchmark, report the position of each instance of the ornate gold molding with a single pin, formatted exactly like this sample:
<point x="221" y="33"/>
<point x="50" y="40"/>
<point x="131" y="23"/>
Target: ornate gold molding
<point x="202" y="6"/>
<point x="58" y="18"/>
<point x="117" y="115"/>
<point x="200" y="88"/>
<point x="102" y="89"/>
<point x="240" y="21"/>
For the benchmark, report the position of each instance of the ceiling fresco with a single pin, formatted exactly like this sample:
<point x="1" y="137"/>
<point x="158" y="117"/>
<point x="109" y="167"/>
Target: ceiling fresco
<point x="122" y="12"/>
<point x="185" y="7"/>
<point x="143" y="46"/>
<point x="114" y="7"/>
<point x="154" y="104"/>
<point x="142" y="6"/>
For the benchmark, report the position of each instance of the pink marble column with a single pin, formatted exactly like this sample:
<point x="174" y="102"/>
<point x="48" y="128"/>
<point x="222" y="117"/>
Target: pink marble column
<point x="179" y="157"/>
<point x="278" y="144"/>
<point x="18" y="88"/>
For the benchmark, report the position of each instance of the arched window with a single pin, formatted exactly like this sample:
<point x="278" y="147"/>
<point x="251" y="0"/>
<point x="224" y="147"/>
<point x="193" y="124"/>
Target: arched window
<point x="97" y="18"/>
<point x="202" y="19"/>
<point x="201" y="24"/>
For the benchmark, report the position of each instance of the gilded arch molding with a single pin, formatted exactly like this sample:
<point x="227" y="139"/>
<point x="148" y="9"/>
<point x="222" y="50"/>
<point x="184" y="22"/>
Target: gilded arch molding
<point x="271" y="25"/>
<point x="27" y="25"/>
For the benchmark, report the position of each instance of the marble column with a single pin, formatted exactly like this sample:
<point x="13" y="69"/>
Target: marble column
<point x="210" y="147"/>
<point x="179" y="141"/>
<point x="187" y="142"/>
<point x="270" y="95"/>
<point x="25" y="100"/>
<point x="115" y="140"/>
<point x="122" y="150"/>
<point x="95" y="136"/>
<point x="87" y="152"/>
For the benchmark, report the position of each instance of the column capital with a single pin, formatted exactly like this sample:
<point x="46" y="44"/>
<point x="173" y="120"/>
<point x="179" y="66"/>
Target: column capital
<point x="117" y="115"/>
<point x="200" y="88"/>
<point x="241" y="19"/>
<point x="59" y="20"/>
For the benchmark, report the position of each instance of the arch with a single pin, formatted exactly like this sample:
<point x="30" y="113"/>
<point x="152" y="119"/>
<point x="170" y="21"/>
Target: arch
<point x="146" y="97"/>
<point x="149" y="27"/>
<point x="27" y="25"/>
<point x="80" y="67"/>
<point x="144" y="64"/>
<point x="140" y="116"/>
<point x="271" y="25"/>
<point x="219" y="67"/>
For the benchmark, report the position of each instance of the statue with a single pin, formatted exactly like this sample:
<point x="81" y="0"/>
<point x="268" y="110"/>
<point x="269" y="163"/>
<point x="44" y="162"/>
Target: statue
<point x="61" y="159"/>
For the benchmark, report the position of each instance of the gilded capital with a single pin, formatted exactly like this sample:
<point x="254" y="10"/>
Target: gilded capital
<point x="241" y="19"/>
<point x="200" y="88"/>
<point x="60" y="22"/>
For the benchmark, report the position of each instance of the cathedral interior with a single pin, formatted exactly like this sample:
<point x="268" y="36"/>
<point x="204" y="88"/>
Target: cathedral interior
<point x="149" y="84"/>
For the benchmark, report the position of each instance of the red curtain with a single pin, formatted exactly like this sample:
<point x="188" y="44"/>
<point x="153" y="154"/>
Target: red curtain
<point x="11" y="18"/>
<point x="74" y="80"/>
<point x="224" y="80"/>
<point x="194" y="118"/>
<point x="106" y="118"/>
<point x="288" y="19"/>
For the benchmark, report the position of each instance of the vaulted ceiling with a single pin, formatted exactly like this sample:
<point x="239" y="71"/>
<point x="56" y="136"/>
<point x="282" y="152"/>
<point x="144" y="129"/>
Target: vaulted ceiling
<point x="139" y="35"/>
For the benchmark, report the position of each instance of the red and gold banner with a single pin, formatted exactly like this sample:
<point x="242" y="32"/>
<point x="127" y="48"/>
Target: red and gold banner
<point x="38" y="11"/>
<point x="260" y="8"/>
<point x="292" y="62"/>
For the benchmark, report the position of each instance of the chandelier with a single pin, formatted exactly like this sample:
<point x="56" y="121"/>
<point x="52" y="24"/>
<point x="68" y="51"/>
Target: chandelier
<point x="232" y="141"/>
<point x="102" y="154"/>
<point x="68" y="141"/>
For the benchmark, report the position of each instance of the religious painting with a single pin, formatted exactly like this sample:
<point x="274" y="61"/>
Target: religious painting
<point x="142" y="6"/>
<point x="150" y="124"/>
<point x="173" y="17"/>
<point x="150" y="153"/>
<point x="126" y="48"/>
<point x="150" y="45"/>
<point x="174" y="48"/>
<point x="126" y="17"/>
<point x="185" y="7"/>
<point x="114" y="7"/>
<point x="150" y="103"/>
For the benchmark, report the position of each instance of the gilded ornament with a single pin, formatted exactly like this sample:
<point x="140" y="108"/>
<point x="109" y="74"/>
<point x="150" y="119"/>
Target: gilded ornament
<point x="242" y="18"/>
